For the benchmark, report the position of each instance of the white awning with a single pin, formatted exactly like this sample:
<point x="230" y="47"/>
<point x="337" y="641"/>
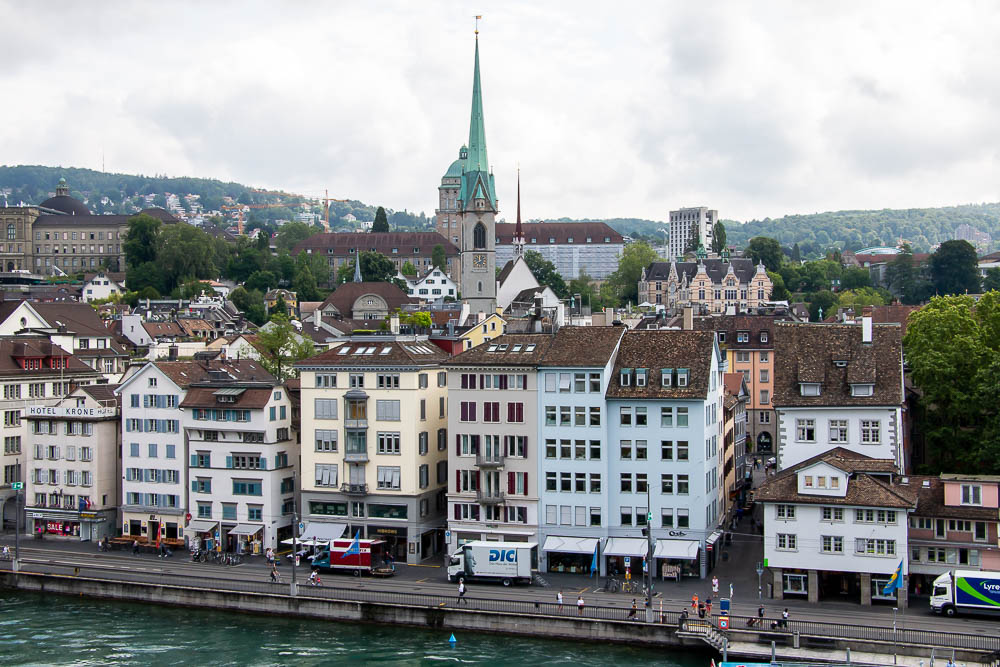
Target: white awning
<point x="678" y="549"/>
<point x="570" y="545"/>
<point x="626" y="546"/>
<point x="202" y="526"/>
<point x="713" y="538"/>
<point x="300" y="543"/>
<point x="245" y="529"/>
<point x="323" y="532"/>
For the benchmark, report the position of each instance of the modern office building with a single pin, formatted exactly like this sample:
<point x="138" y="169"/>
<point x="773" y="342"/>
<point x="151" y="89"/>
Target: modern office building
<point x="695" y="224"/>
<point x="593" y="248"/>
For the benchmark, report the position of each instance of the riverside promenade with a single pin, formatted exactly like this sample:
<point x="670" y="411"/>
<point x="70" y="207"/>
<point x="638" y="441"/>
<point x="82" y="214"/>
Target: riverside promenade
<point x="420" y="596"/>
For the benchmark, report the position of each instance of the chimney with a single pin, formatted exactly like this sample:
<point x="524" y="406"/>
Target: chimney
<point x="394" y="323"/>
<point x="866" y="325"/>
<point x="688" y="318"/>
<point x="538" y="305"/>
<point x="318" y="318"/>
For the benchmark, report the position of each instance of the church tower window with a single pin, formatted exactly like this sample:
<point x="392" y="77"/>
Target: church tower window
<point x="479" y="236"/>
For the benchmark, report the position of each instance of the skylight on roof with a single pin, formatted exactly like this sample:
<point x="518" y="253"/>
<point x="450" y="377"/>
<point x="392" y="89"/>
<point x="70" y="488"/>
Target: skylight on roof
<point x="502" y="348"/>
<point x="530" y="348"/>
<point x="370" y="350"/>
<point x="386" y="350"/>
<point x="344" y="350"/>
<point x="516" y="348"/>
<point x="491" y="348"/>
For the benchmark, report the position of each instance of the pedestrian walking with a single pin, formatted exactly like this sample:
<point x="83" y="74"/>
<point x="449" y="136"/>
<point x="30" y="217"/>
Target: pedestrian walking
<point x="461" y="593"/>
<point x="275" y="577"/>
<point x="579" y="604"/>
<point x="559" y="600"/>
<point x="694" y="601"/>
<point x="784" y="618"/>
<point x="631" y="612"/>
<point x="708" y="606"/>
<point x="760" y="612"/>
<point x="715" y="585"/>
<point x="135" y="547"/>
<point x="730" y="591"/>
<point x="701" y="610"/>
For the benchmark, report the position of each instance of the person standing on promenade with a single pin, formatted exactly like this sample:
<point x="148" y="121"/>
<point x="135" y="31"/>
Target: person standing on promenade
<point x="631" y="612"/>
<point x="579" y="604"/>
<point x="275" y="578"/>
<point x="559" y="600"/>
<point x="715" y="585"/>
<point x="694" y="601"/>
<point x="135" y="547"/>
<point x="461" y="593"/>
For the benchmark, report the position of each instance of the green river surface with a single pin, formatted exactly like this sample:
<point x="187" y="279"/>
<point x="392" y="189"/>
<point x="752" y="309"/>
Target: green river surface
<point x="39" y="629"/>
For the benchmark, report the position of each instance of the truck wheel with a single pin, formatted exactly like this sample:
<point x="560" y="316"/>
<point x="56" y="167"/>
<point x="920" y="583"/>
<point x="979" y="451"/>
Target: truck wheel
<point x="506" y="582"/>
<point x="949" y="611"/>
<point x="357" y="573"/>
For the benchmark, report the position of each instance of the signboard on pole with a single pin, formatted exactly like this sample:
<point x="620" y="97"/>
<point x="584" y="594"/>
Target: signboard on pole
<point x="17" y="486"/>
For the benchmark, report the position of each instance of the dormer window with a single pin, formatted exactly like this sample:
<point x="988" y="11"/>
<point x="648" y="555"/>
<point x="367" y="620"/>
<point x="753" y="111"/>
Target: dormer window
<point x="722" y="336"/>
<point x="972" y="494"/>
<point x="809" y="388"/>
<point x="763" y="335"/>
<point x="862" y="389"/>
<point x="640" y="377"/>
<point x="626" y="373"/>
<point x="682" y="377"/>
<point x="840" y="363"/>
<point x="667" y="377"/>
<point x="742" y="336"/>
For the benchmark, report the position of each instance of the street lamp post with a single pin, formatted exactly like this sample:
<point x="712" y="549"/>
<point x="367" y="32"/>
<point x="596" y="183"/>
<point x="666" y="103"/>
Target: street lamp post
<point x="649" y="558"/>
<point x="760" y="571"/>
<point x="17" y="525"/>
<point x="894" y="610"/>
<point x="295" y="542"/>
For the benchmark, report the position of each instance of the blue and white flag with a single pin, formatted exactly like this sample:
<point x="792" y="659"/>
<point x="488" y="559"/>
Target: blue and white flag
<point x="593" y="562"/>
<point x="895" y="582"/>
<point x="355" y="547"/>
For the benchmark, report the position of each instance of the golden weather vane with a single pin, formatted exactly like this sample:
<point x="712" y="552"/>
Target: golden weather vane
<point x="478" y="16"/>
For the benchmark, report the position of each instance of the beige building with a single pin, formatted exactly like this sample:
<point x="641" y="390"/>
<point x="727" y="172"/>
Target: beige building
<point x="710" y="285"/>
<point x="374" y="443"/>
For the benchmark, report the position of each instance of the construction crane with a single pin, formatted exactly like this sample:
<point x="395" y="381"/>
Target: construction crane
<point x="326" y="215"/>
<point x="239" y="208"/>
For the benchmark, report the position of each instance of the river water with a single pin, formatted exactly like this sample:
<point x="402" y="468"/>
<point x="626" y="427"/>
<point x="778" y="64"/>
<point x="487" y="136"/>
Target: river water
<point x="39" y="629"/>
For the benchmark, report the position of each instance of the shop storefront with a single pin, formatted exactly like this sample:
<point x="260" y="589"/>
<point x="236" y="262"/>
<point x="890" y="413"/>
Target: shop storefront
<point x="712" y="548"/>
<point x="84" y="526"/>
<point x="203" y="535"/>
<point x="248" y="538"/>
<point x="677" y="558"/>
<point x="574" y="555"/>
<point x="624" y="555"/>
<point x="395" y="539"/>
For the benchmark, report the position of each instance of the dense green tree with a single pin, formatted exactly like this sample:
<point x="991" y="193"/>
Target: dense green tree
<point x="906" y="280"/>
<point x="283" y="266"/>
<point x="954" y="269"/>
<point x="582" y="285"/>
<point x="192" y="289"/>
<point x="149" y="292"/>
<point x="140" y="240"/>
<point x="545" y="272"/>
<point x="317" y="266"/>
<point x="408" y="269"/>
<point x="768" y="251"/>
<point x="796" y="254"/>
<point x="280" y="306"/>
<point x="855" y="278"/>
<point x="291" y="234"/>
<point x="992" y="280"/>
<point x="148" y="274"/>
<point x="305" y="285"/>
<point x="279" y="347"/>
<point x="381" y="224"/>
<point x="693" y="240"/>
<point x="953" y="353"/>
<point x="718" y="238"/>
<point x="262" y="281"/>
<point x="439" y="258"/>
<point x="245" y="262"/>
<point x="779" y="292"/>
<point x="623" y="284"/>
<point x="824" y="300"/>
<point x="185" y="252"/>
<point x="858" y="298"/>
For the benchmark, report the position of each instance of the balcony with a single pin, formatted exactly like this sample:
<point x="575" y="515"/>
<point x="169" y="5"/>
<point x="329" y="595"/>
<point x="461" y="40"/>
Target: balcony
<point x="356" y="456"/>
<point x="487" y="497"/>
<point x="354" y="489"/>
<point x="490" y="460"/>
<point x="356" y="423"/>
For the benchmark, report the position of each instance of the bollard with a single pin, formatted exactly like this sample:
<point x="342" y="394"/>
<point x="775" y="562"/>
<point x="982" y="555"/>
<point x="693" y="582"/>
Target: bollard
<point x="795" y="640"/>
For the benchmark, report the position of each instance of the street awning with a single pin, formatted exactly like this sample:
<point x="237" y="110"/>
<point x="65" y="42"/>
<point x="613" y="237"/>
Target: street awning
<point x="570" y="545"/>
<point x="677" y="549"/>
<point x="245" y="529"/>
<point x="300" y="543"/>
<point x="323" y="532"/>
<point x="202" y="526"/>
<point x="713" y="538"/>
<point x="626" y="546"/>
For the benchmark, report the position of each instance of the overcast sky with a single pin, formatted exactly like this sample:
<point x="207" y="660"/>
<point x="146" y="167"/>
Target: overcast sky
<point x="754" y="108"/>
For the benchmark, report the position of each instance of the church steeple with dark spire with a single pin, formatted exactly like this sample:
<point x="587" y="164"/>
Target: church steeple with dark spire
<point x="518" y="231"/>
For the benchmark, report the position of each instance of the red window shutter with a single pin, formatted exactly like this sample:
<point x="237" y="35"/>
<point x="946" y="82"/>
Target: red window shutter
<point x="511" y="484"/>
<point x="510" y="412"/>
<point x="458" y="444"/>
<point x="458" y="481"/>
<point x="503" y="381"/>
<point x="520" y="412"/>
<point x="472" y="412"/>
<point x="478" y="485"/>
<point x="458" y="512"/>
<point x="524" y="381"/>
<point x="474" y="444"/>
<point x="482" y="382"/>
<point x="525" y="483"/>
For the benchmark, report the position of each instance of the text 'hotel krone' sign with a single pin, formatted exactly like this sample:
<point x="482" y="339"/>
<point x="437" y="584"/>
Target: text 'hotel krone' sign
<point x="45" y="411"/>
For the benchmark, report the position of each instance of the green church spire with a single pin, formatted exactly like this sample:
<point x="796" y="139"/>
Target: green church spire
<point x="477" y="182"/>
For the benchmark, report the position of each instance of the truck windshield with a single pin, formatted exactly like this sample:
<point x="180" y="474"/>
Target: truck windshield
<point x="940" y="590"/>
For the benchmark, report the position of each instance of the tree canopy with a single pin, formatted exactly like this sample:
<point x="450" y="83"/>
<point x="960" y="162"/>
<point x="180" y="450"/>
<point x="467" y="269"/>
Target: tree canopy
<point x="375" y="268"/>
<point x="954" y="268"/>
<point x="291" y="234"/>
<point x="766" y="250"/>
<point x="279" y="346"/>
<point x="624" y="282"/>
<point x="718" y="238"/>
<point x="545" y="272"/>
<point x="381" y="224"/>
<point x="953" y="353"/>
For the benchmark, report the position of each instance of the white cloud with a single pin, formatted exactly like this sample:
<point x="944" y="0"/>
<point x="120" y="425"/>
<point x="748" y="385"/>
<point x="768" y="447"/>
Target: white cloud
<point x="756" y="109"/>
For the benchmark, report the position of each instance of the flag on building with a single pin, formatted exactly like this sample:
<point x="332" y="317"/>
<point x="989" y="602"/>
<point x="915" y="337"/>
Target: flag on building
<point x="355" y="547"/>
<point x="593" y="562"/>
<point x="895" y="581"/>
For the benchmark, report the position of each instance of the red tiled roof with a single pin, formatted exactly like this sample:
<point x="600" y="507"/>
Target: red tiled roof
<point x="539" y="233"/>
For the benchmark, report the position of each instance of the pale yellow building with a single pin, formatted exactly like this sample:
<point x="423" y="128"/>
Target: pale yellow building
<point x="375" y="443"/>
<point x="477" y="334"/>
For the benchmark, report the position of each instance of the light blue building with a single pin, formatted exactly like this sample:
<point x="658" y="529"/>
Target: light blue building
<point x="665" y="408"/>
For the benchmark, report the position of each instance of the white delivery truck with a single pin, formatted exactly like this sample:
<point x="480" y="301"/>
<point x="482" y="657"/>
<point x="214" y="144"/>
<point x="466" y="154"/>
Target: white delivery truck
<point x="506" y="562"/>
<point x="966" y="591"/>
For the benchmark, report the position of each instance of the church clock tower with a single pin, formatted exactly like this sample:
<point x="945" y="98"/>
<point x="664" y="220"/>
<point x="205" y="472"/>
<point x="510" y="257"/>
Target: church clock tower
<point x="477" y="209"/>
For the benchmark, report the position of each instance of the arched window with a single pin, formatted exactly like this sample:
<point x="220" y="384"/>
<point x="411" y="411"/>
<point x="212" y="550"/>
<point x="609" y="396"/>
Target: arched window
<point x="10" y="232"/>
<point x="479" y="236"/>
<point x="479" y="287"/>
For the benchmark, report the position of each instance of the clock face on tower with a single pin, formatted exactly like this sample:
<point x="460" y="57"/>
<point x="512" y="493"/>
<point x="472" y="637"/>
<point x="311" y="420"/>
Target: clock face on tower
<point x="479" y="261"/>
